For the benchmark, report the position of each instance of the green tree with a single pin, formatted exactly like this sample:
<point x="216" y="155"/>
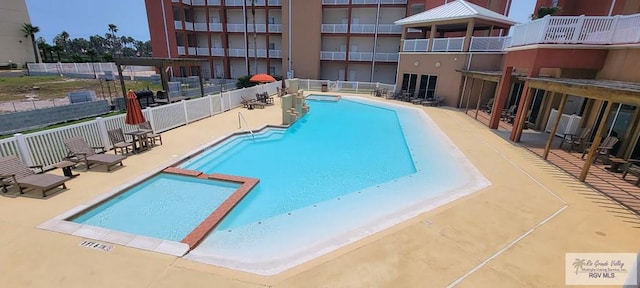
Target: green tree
<point x="30" y="31"/>
<point x="57" y="49"/>
<point x="114" y="39"/>
<point x="544" y="11"/>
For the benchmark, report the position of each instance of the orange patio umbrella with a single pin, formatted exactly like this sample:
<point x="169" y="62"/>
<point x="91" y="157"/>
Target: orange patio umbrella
<point x="134" y="112"/>
<point x="262" y="78"/>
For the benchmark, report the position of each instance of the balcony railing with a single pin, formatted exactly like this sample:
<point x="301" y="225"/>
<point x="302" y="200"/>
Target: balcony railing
<point x="334" y="28"/>
<point x="454" y="44"/>
<point x="217" y="51"/>
<point x="262" y="53"/>
<point x="275" y="2"/>
<point x="393" y="1"/>
<point x="364" y="1"/>
<point x="196" y="2"/>
<point x="234" y="52"/>
<point x="188" y="26"/>
<point x="178" y="24"/>
<point x="192" y="50"/>
<point x="489" y="44"/>
<point x="214" y="2"/>
<point x="335" y="2"/>
<point x="202" y="51"/>
<point x="275" y="27"/>
<point x="181" y="50"/>
<point x="389" y="29"/>
<point x="415" y="45"/>
<point x="200" y="26"/>
<point x="387" y="57"/>
<point x="275" y="53"/>
<point x="330" y="55"/>
<point x="234" y="2"/>
<point x="235" y="27"/>
<point x="360" y="56"/>
<point x="578" y="30"/>
<point x="188" y="2"/>
<point x="363" y="28"/>
<point x="217" y="27"/>
<point x="261" y="28"/>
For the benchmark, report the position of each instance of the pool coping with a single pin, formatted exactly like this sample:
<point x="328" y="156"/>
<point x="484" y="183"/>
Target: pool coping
<point x="61" y="224"/>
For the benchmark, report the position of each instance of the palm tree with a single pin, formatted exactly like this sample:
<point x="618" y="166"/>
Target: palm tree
<point x="65" y="36"/>
<point x="56" y="48"/>
<point x="113" y="29"/>
<point x="579" y="264"/>
<point x="30" y="31"/>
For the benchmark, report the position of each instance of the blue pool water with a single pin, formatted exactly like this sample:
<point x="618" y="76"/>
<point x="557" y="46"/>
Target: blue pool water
<point x="338" y="148"/>
<point x="165" y="206"/>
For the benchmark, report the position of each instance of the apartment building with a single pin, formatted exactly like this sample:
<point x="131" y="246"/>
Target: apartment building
<point x="353" y="40"/>
<point x="14" y="47"/>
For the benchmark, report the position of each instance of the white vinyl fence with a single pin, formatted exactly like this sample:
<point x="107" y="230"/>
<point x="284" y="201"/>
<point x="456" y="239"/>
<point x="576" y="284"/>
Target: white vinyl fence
<point x="568" y="123"/>
<point x="46" y="147"/>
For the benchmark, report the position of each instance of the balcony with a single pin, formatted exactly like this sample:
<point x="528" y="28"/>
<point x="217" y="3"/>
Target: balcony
<point x="335" y="2"/>
<point x="181" y="50"/>
<point x="330" y="55"/>
<point x="214" y="3"/>
<point x="202" y="51"/>
<point x="334" y="28"/>
<point x="275" y="2"/>
<point x="192" y="50"/>
<point x="196" y="2"/>
<point x="187" y="2"/>
<point x="363" y="28"/>
<point x="217" y="51"/>
<point x="178" y="24"/>
<point x="234" y="2"/>
<point x="262" y="53"/>
<point x="578" y="30"/>
<point x="200" y="26"/>
<point x="389" y="29"/>
<point x="415" y="45"/>
<point x="393" y="2"/>
<point x="360" y="56"/>
<point x="387" y="57"/>
<point x="216" y="27"/>
<point x="489" y="44"/>
<point x="260" y="28"/>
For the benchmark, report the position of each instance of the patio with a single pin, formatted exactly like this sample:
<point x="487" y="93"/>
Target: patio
<point x="604" y="181"/>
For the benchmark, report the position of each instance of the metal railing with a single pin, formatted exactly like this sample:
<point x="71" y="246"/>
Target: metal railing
<point x="389" y="29"/>
<point x="235" y="52"/>
<point x="387" y="57"/>
<point x="620" y="29"/>
<point x="360" y="56"/>
<point x="217" y="51"/>
<point x="489" y="44"/>
<point x="415" y="45"/>
<point x="216" y="27"/>
<point x="202" y="51"/>
<point x="181" y="50"/>
<point x="335" y="2"/>
<point x="331" y="55"/>
<point x="334" y="28"/>
<point x="448" y="44"/>
<point x="363" y="28"/>
<point x="200" y="26"/>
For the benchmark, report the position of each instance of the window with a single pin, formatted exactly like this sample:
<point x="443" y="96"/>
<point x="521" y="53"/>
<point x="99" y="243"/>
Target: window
<point x="272" y="70"/>
<point x="427" y="86"/>
<point x="554" y="3"/>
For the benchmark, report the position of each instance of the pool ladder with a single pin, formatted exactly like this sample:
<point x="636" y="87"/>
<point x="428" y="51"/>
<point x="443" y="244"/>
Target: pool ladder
<point x="241" y="117"/>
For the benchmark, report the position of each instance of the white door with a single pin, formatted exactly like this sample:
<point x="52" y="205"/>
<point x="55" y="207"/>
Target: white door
<point x="353" y="75"/>
<point x="341" y="74"/>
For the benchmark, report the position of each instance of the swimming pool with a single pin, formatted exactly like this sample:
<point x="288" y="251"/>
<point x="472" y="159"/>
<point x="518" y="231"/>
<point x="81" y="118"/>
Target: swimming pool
<point x="348" y="169"/>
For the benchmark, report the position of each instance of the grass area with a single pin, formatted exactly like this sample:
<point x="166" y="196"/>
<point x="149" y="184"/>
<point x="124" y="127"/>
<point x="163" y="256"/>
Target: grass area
<point x="113" y="113"/>
<point x="51" y="87"/>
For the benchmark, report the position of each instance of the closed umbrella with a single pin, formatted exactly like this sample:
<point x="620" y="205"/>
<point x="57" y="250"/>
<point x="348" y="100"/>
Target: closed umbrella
<point x="134" y="112"/>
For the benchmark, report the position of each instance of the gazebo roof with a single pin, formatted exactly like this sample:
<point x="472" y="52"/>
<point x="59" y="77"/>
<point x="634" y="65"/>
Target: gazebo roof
<point x="458" y="9"/>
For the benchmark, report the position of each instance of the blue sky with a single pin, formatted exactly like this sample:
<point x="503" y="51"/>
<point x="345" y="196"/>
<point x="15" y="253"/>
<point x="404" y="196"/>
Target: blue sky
<point x="82" y="18"/>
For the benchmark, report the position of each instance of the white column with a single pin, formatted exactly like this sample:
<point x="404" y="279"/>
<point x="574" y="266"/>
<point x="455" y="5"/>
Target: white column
<point x="102" y="132"/>
<point x="186" y="112"/>
<point x="23" y="149"/>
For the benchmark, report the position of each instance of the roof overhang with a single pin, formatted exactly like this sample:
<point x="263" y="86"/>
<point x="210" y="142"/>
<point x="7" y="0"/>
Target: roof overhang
<point x="607" y="90"/>
<point x="493" y="76"/>
<point x="159" y="62"/>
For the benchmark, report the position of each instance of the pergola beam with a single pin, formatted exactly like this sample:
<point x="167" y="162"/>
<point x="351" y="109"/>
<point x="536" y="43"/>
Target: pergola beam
<point x="598" y="89"/>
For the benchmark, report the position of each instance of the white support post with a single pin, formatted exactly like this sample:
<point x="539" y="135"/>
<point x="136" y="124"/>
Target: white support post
<point x="210" y="105"/>
<point x="23" y="149"/>
<point x="357" y="87"/>
<point x="75" y="68"/>
<point x="151" y="120"/>
<point x="543" y="29"/>
<point x="579" y="27"/>
<point x="614" y="27"/>
<point x="186" y="112"/>
<point x="102" y="131"/>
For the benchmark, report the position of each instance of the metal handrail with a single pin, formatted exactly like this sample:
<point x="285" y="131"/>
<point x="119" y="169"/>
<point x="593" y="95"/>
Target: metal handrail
<point x="240" y="116"/>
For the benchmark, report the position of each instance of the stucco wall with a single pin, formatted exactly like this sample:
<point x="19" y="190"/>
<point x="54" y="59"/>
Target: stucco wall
<point x="621" y="65"/>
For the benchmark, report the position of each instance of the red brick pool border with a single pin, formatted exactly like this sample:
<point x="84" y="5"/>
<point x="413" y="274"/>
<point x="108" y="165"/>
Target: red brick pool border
<point x="195" y="236"/>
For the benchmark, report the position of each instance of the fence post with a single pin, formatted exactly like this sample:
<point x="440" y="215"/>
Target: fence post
<point x="102" y="132"/>
<point x="186" y="112"/>
<point x="75" y="67"/>
<point x="151" y="120"/>
<point x="23" y="149"/>
<point x="210" y="105"/>
<point x="357" y="87"/>
<point x="614" y="28"/>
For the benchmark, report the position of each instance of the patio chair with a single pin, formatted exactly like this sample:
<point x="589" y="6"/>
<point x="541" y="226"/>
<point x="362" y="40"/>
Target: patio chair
<point x="604" y="149"/>
<point x="508" y="115"/>
<point x="488" y="106"/>
<point x="119" y="142"/>
<point x="576" y="140"/>
<point x="633" y="168"/>
<point x="433" y="101"/>
<point x="80" y="151"/>
<point x="247" y="103"/>
<point x="153" y="137"/>
<point x="14" y="172"/>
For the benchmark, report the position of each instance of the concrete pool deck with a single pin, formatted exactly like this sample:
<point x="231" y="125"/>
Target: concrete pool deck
<point x="513" y="233"/>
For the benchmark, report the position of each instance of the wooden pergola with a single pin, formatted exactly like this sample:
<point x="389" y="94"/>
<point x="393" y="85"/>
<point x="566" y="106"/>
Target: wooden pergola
<point x="161" y="64"/>
<point x="610" y="92"/>
<point x="491" y="76"/>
